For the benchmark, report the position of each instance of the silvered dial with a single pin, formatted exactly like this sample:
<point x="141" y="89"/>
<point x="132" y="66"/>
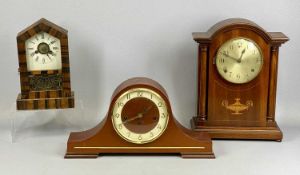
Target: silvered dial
<point x="43" y="52"/>
<point x="239" y="60"/>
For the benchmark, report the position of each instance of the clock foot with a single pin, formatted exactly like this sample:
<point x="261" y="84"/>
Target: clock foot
<point x="189" y="155"/>
<point x="70" y="156"/>
<point x="45" y="103"/>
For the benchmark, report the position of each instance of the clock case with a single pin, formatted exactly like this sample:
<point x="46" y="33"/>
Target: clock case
<point x="103" y="139"/>
<point x="44" y="89"/>
<point x="237" y="111"/>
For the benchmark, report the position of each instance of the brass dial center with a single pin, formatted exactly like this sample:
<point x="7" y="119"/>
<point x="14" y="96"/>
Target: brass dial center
<point x="43" y="48"/>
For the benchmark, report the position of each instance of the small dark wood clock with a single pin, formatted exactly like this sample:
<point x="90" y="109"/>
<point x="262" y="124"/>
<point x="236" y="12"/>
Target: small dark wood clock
<point x="237" y="77"/>
<point x="139" y="120"/>
<point x="44" y="67"/>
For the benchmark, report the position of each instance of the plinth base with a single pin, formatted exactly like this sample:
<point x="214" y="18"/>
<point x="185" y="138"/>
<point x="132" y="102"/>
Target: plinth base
<point x="103" y="140"/>
<point x="45" y="103"/>
<point x="269" y="132"/>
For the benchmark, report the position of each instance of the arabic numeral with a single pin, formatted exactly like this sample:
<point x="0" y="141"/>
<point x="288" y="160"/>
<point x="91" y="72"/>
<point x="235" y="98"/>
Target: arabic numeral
<point x="117" y="115"/>
<point x="164" y="115"/>
<point x="139" y="94"/>
<point x="159" y="104"/>
<point x="120" y="126"/>
<point x="159" y="127"/>
<point x="120" y="104"/>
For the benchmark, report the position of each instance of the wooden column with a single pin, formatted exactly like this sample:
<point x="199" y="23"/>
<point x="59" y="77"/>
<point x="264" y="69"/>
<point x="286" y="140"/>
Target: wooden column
<point x="273" y="83"/>
<point x="202" y="81"/>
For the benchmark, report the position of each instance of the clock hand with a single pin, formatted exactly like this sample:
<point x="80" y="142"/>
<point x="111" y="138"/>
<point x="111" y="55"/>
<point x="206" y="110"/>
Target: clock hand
<point x="228" y="56"/>
<point x="48" y="56"/>
<point x="240" y="59"/>
<point x="139" y="115"/>
<point x="147" y="109"/>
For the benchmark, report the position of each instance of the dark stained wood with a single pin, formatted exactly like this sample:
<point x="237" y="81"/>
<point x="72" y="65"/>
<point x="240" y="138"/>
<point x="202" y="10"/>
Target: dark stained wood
<point x="202" y="87"/>
<point x="258" y="122"/>
<point x="30" y="99"/>
<point x="103" y="138"/>
<point x="273" y="83"/>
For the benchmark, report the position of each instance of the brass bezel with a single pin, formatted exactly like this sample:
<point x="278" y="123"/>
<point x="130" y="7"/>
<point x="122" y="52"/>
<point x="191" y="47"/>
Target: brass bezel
<point x="143" y="141"/>
<point x="258" y="48"/>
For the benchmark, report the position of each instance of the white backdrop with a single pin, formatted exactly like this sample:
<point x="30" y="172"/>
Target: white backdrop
<point x="113" y="40"/>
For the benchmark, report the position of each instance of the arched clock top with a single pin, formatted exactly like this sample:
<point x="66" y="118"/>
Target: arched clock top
<point x="139" y="82"/>
<point x="273" y="38"/>
<point x="237" y="68"/>
<point x="139" y="120"/>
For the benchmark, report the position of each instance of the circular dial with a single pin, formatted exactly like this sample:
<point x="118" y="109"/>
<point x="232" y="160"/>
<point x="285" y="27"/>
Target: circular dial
<point x="43" y="52"/>
<point x="140" y="115"/>
<point x="239" y="60"/>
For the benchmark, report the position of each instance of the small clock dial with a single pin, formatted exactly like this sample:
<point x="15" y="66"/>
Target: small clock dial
<point x="43" y="52"/>
<point x="239" y="60"/>
<point x="140" y="115"/>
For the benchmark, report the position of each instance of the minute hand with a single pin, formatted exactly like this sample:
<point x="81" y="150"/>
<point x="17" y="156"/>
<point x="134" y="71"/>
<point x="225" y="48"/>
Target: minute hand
<point x="226" y="55"/>
<point x="133" y="118"/>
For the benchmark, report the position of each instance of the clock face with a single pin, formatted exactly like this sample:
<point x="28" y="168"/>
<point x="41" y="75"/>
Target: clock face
<point x="140" y="115"/>
<point x="43" y="52"/>
<point x="239" y="60"/>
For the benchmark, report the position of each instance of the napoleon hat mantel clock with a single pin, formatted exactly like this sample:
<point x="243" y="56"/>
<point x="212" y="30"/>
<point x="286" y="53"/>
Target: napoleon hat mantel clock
<point x="237" y="76"/>
<point x="139" y="121"/>
<point x="44" y="67"/>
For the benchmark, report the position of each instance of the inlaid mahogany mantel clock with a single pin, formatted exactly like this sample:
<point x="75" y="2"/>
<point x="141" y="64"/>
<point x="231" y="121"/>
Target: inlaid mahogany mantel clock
<point x="237" y="77"/>
<point x="139" y="120"/>
<point x="44" y="67"/>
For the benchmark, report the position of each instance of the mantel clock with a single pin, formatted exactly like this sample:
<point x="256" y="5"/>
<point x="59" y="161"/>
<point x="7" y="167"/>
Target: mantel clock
<point x="237" y="77"/>
<point x="44" y="67"/>
<point x="139" y="121"/>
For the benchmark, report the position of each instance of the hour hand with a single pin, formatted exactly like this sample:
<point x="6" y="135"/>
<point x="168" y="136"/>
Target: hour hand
<point x="147" y="109"/>
<point x="48" y="56"/>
